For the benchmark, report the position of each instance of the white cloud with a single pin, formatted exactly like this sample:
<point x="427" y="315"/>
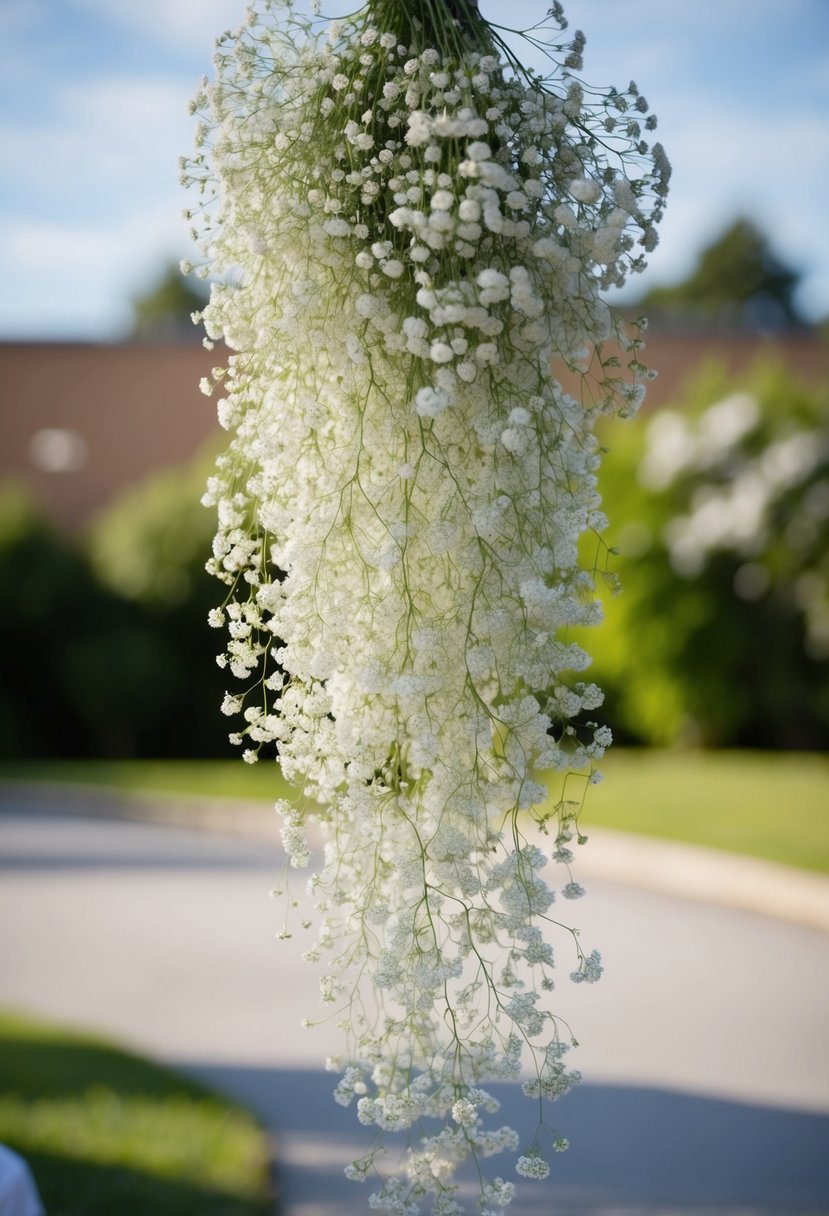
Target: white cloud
<point x="183" y="23"/>
<point x="78" y="278"/>
<point x="109" y="137"/>
<point x="116" y="103"/>
<point x="73" y="248"/>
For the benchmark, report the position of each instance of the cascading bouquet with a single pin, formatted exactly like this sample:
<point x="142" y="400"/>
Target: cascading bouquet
<point x="406" y="228"/>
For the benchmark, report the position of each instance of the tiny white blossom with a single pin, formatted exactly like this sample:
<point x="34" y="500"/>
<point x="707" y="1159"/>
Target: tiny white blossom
<point x="478" y="151"/>
<point x="532" y="1167"/>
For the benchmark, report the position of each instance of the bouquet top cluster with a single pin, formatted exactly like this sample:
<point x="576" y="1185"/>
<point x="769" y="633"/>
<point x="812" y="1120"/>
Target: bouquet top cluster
<point x="423" y="161"/>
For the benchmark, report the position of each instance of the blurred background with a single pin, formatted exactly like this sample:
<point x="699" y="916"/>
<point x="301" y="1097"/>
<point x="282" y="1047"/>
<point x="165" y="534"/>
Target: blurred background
<point x="714" y="657"/>
<point x="718" y="495"/>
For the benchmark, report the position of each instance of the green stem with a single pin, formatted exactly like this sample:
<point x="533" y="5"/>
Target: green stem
<point x="453" y="27"/>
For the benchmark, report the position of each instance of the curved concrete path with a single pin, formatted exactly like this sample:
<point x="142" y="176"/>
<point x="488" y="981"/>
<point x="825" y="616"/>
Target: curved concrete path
<point x="705" y="1048"/>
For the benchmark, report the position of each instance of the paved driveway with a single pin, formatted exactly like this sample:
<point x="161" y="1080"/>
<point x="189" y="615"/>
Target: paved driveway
<point x="705" y="1047"/>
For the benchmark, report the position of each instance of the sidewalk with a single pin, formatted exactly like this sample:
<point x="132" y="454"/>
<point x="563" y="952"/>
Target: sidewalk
<point x="685" y="871"/>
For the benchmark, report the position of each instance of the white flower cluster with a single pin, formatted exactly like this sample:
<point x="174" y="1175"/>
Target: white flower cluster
<point x="532" y="1167"/>
<point x="733" y="510"/>
<point x="406" y="233"/>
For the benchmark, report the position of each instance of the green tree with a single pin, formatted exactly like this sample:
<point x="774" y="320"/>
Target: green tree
<point x="165" y="310"/>
<point x="738" y="282"/>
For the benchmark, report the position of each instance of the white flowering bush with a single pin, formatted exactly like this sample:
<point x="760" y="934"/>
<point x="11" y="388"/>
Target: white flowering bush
<point x="406" y="228"/>
<point x="721" y="513"/>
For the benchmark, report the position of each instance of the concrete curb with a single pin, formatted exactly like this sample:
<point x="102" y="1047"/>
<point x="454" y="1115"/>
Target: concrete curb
<point x="680" y="870"/>
<point x="708" y="876"/>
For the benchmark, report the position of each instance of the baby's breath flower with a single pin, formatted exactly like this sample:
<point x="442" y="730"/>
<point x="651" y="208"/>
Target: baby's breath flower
<point x="532" y="1166"/>
<point x="403" y="233"/>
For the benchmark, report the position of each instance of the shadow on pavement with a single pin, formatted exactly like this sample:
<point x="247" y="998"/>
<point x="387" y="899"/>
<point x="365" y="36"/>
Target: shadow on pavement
<point x="635" y="1151"/>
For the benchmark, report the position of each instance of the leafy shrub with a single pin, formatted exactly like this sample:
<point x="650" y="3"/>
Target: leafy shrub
<point x="107" y="648"/>
<point x="75" y="664"/>
<point x="150" y="547"/>
<point x="720" y="511"/>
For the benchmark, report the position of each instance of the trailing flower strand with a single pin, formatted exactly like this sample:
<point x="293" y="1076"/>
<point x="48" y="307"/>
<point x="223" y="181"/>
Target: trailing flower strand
<point x="405" y="228"/>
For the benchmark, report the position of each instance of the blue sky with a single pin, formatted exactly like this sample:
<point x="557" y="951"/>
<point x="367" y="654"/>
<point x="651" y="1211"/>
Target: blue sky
<point x="92" y="120"/>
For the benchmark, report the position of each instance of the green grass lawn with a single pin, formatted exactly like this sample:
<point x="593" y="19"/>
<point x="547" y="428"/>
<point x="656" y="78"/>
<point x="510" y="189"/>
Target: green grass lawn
<point x="106" y="1133"/>
<point x="212" y="778"/>
<point x="772" y="805"/>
